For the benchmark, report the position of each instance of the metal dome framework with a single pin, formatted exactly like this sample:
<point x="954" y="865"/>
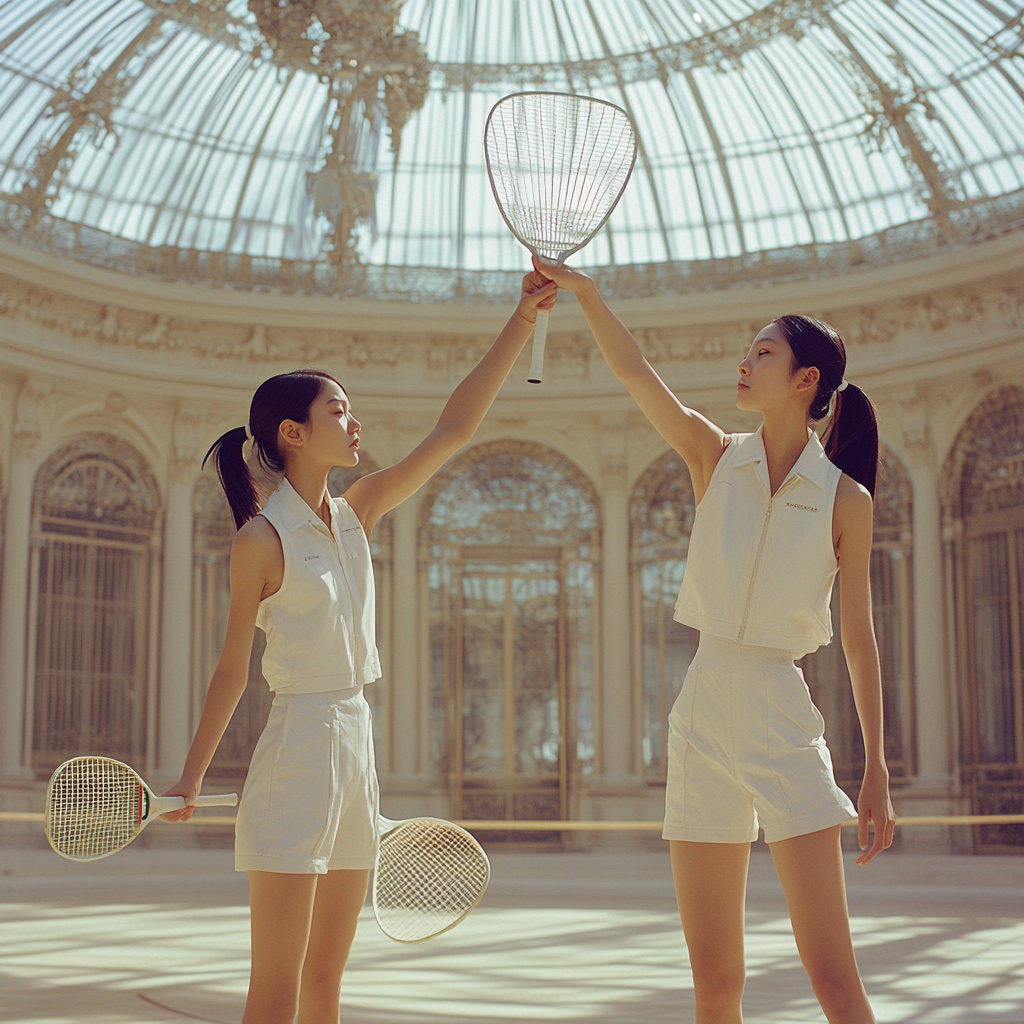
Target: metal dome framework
<point x="219" y="142"/>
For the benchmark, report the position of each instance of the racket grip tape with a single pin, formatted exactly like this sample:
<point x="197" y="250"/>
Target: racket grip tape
<point x="540" y="338"/>
<point x="163" y="804"/>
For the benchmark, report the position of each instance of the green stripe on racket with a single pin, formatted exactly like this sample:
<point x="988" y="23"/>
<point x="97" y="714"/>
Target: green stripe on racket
<point x="95" y="806"/>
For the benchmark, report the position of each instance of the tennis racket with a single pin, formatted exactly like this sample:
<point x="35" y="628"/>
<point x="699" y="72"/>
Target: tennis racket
<point x="95" y="806"/>
<point x="558" y="164"/>
<point x="429" y="875"/>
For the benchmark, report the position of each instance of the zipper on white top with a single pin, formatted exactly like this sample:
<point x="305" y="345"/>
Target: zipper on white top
<point x="757" y="558"/>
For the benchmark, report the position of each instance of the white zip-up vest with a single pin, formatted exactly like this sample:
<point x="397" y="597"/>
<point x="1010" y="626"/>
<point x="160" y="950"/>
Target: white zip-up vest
<point x="760" y="568"/>
<point x="320" y="625"/>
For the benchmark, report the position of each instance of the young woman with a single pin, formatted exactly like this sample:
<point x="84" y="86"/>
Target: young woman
<point x="777" y="516"/>
<point x="300" y="569"/>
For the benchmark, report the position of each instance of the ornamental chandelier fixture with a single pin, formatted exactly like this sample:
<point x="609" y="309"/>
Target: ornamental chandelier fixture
<point x="376" y="76"/>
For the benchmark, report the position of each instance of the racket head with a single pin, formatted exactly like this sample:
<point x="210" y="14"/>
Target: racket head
<point x="430" y="874"/>
<point x="558" y="164"/>
<point x="95" y="806"/>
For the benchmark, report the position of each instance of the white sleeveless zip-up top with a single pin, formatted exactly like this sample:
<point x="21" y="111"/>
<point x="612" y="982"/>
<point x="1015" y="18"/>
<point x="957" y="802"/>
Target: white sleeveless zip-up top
<point x="320" y="625"/>
<point x="760" y="567"/>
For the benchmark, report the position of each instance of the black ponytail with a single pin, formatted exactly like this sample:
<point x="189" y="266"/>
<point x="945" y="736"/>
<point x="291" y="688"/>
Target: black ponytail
<point x="288" y="396"/>
<point x="851" y="439"/>
<point x="235" y="478"/>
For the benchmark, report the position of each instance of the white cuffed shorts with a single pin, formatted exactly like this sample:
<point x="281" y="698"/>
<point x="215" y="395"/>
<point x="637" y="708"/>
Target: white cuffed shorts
<point x="746" y="748"/>
<point x="310" y="800"/>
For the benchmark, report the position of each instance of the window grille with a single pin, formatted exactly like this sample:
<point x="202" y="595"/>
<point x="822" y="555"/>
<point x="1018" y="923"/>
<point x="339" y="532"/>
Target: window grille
<point x="984" y="513"/>
<point x="661" y="515"/>
<point x="510" y="542"/>
<point x="92" y="570"/>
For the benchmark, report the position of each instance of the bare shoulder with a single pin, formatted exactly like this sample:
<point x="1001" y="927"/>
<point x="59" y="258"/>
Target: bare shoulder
<point x="854" y="496"/>
<point x="853" y="518"/>
<point x="257" y="542"/>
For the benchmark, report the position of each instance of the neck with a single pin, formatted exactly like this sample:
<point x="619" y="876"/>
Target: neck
<point x="785" y="436"/>
<point x="310" y="483"/>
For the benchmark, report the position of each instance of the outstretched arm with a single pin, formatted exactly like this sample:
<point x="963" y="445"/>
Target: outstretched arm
<point x="853" y="524"/>
<point x="699" y="441"/>
<point x="373" y="495"/>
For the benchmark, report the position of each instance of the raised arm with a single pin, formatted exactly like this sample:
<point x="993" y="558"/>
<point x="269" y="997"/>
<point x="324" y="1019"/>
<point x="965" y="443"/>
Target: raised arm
<point x="256" y="562"/>
<point x="373" y="495"/>
<point x="852" y="523"/>
<point x="699" y="441"/>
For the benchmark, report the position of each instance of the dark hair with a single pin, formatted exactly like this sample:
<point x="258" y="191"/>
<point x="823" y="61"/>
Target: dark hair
<point x="288" y="396"/>
<point x="851" y="439"/>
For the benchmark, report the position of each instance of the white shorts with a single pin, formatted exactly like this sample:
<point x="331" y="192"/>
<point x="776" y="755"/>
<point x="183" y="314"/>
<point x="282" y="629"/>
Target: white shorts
<point x="746" y="748"/>
<point x="310" y="800"/>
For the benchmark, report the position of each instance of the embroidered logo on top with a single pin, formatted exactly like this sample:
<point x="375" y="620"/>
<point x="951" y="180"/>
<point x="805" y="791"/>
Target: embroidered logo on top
<point x="310" y="557"/>
<point x="805" y="508"/>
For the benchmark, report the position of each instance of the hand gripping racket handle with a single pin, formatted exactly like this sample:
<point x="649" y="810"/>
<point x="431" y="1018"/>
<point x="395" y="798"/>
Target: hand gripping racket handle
<point x="163" y="804"/>
<point x="540" y="338"/>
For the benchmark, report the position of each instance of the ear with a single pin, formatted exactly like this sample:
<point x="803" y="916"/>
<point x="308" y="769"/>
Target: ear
<point x="291" y="434"/>
<point x="807" y="378"/>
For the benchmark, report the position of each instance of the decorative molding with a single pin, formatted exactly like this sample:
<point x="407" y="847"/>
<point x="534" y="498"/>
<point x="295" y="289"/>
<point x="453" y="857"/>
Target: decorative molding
<point x="992" y="305"/>
<point x="28" y="418"/>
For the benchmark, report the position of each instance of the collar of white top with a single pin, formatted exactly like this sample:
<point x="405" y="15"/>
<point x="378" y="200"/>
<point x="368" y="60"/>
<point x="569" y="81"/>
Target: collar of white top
<point x="294" y="510"/>
<point x="812" y="465"/>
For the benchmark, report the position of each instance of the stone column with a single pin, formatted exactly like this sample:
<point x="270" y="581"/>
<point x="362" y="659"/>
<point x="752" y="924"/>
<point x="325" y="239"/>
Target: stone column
<point x="14" y="723"/>
<point x="933" y="698"/>
<point x="190" y="433"/>
<point x="405" y="725"/>
<point x="932" y="692"/>
<point x="174" y="699"/>
<point x="616" y="691"/>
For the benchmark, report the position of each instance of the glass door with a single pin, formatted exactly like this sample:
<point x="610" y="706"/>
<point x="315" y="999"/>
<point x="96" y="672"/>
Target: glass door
<point x="512" y="742"/>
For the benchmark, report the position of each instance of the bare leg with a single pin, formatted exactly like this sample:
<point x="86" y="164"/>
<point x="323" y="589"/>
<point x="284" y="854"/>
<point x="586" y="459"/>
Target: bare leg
<point x="711" y="883"/>
<point x="810" y="869"/>
<point x="281" y="910"/>
<point x="339" y="898"/>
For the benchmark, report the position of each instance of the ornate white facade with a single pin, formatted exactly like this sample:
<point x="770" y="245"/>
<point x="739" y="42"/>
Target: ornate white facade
<point x="151" y="373"/>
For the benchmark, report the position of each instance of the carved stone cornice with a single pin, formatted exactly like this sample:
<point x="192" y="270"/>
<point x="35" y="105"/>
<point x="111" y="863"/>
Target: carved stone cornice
<point x="61" y="322"/>
<point x="28" y="425"/>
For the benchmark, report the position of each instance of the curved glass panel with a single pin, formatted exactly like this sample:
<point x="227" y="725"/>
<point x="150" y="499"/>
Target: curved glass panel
<point x="186" y="125"/>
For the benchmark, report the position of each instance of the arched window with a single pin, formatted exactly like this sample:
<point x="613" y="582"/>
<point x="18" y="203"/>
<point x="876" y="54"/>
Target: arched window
<point x="661" y="514"/>
<point x="214" y="530"/>
<point x="510" y="534"/>
<point x="94" y="516"/>
<point x="825" y="670"/>
<point x="984" y="511"/>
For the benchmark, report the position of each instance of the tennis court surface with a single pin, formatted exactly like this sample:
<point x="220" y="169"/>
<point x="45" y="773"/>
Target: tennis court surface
<point x="161" y="935"/>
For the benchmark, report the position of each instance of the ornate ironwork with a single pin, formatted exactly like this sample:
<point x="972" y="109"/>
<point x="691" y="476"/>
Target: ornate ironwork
<point x="661" y="513"/>
<point x="986" y="473"/>
<point x="98" y="480"/>
<point x="988" y="219"/>
<point x="509" y="537"/>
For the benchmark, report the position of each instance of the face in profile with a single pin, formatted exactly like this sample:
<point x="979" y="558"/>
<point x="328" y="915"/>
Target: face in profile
<point x="767" y="381"/>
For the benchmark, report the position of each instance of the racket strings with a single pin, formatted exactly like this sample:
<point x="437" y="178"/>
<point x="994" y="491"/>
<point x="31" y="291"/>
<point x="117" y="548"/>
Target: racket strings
<point x="559" y="164"/>
<point x="429" y="876"/>
<point x="94" y="807"/>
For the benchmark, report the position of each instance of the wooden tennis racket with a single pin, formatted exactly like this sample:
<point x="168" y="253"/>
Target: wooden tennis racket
<point x="95" y="806"/>
<point x="430" y="874"/>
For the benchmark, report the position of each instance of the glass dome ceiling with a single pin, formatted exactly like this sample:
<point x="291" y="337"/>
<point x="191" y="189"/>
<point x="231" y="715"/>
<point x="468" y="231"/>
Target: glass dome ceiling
<point x="336" y="145"/>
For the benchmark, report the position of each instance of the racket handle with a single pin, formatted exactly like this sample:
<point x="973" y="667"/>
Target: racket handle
<point x="163" y="804"/>
<point x="218" y="800"/>
<point x="540" y="338"/>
